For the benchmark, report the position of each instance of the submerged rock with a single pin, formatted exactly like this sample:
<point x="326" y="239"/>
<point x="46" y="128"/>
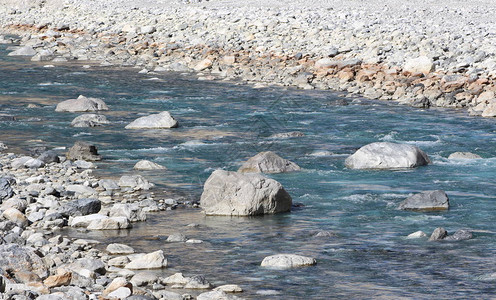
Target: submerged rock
<point x="460" y="235"/>
<point x="23" y="51"/>
<point x="385" y="155"/>
<point x="148" y="165"/>
<point x="463" y="155"/>
<point x="268" y="162"/>
<point x="89" y="120"/>
<point x="285" y="135"/>
<point x="416" y="235"/>
<point x="83" y="151"/>
<point x="216" y="295"/>
<point x="235" y="194"/>
<point x="156" y="121"/>
<point x="426" y="201"/>
<point x="287" y="261"/>
<point x="81" y="104"/>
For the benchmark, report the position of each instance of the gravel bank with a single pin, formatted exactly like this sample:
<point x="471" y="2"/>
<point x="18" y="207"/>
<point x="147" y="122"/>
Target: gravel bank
<point x="420" y="53"/>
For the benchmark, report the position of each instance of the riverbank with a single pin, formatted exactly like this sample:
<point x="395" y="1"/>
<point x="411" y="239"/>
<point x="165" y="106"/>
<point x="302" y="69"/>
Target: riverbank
<point x="421" y="54"/>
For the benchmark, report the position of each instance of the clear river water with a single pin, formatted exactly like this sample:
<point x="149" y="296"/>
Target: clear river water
<point x="223" y="124"/>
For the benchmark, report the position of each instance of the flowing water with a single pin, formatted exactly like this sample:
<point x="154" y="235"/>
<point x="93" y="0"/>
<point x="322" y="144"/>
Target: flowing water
<point x="221" y="125"/>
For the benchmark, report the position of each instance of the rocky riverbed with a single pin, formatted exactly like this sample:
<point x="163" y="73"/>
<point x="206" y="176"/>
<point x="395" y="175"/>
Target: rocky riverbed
<point x="419" y="53"/>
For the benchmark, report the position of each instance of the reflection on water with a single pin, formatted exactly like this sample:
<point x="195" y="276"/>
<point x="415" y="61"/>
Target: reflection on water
<point x="222" y="125"/>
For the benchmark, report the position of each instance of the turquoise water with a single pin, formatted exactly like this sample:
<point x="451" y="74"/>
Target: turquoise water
<point x="222" y="125"/>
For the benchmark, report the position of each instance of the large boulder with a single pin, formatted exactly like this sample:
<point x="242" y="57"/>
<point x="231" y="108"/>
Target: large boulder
<point x="16" y="259"/>
<point x="287" y="261"/>
<point x="81" y="207"/>
<point x="385" y="155"/>
<point x="81" y="104"/>
<point x="236" y="194"/>
<point x="268" y="162"/>
<point x="426" y="201"/>
<point x="156" y="121"/>
<point x="89" y="120"/>
<point x="83" y="151"/>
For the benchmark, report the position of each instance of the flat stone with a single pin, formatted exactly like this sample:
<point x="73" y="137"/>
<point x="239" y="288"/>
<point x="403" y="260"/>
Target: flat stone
<point x="287" y="261"/>
<point x="119" y="249"/>
<point x="154" y="260"/>
<point x="426" y="201"/>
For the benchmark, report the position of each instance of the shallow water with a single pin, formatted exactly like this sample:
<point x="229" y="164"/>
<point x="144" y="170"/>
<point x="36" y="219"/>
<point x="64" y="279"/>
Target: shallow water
<point x="223" y="124"/>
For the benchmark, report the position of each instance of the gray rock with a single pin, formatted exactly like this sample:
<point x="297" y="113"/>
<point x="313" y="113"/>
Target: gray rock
<point x="81" y="207"/>
<point x="2" y="284"/>
<point x="132" y="212"/>
<point x="23" y="51"/>
<point x="83" y="151"/>
<point x="135" y="182"/>
<point x="109" y="184"/>
<point x="88" y="267"/>
<point x="460" y="235"/>
<point x="438" y="234"/>
<point x="385" y="155"/>
<point x="34" y="163"/>
<point x="156" y="121"/>
<point x="287" y="261"/>
<point x="15" y="258"/>
<point x="119" y="249"/>
<point x="235" y="194"/>
<point x="120" y="293"/>
<point x="154" y="260"/>
<point x="416" y="235"/>
<point x="143" y="279"/>
<point x="426" y="201"/>
<point x="216" y="295"/>
<point x="20" y="162"/>
<point x="6" y="190"/>
<point x="109" y="223"/>
<point x="82" y="164"/>
<point x="81" y="104"/>
<point x="463" y="155"/>
<point x="177" y="237"/>
<point x="268" y="162"/>
<point x="89" y="120"/>
<point x="49" y="156"/>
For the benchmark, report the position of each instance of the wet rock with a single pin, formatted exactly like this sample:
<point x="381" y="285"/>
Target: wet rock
<point x="178" y="280"/>
<point x="82" y="164"/>
<point x="463" y="155"/>
<point x="15" y="258"/>
<point x="385" y="155"/>
<point x="156" y="121"/>
<point x="119" y="249"/>
<point x="81" y="207"/>
<point x="81" y="104"/>
<point x="148" y="165"/>
<point x="422" y="64"/>
<point x="109" y="223"/>
<point x="137" y="182"/>
<point x="287" y="261"/>
<point x="235" y="194"/>
<point x="268" y="162"/>
<point x="460" y="235"/>
<point x="154" y="260"/>
<point x="216" y="295"/>
<point x="416" y="235"/>
<point x="120" y="261"/>
<point x="83" y="151"/>
<point x="229" y="288"/>
<point x="438" y="234"/>
<point x="285" y="135"/>
<point x="177" y="237"/>
<point x="2" y="284"/>
<point x="426" y="201"/>
<point x="89" y="120"/>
